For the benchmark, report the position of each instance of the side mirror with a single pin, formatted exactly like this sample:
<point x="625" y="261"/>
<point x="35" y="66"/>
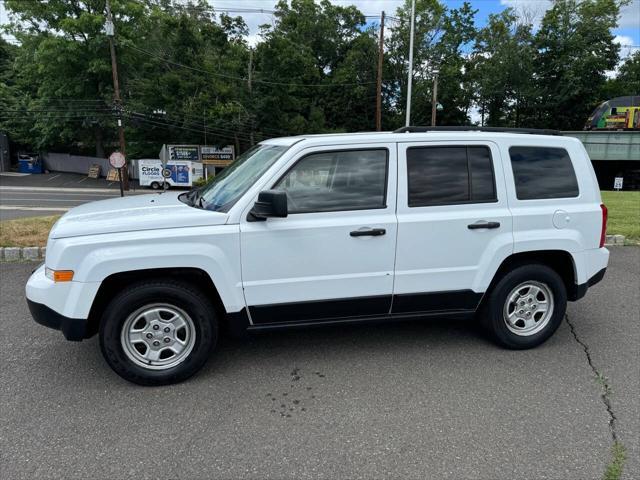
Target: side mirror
<point x="270" y="203"/>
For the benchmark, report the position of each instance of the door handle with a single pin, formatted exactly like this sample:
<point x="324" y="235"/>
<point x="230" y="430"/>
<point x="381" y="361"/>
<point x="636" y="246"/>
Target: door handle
<point x="478" y="225"/>
<point x="369" y="232"/>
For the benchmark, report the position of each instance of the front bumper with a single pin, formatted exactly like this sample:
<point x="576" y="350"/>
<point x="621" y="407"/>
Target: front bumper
<point x="72" y="328"/>
<point x="62" y="306"/>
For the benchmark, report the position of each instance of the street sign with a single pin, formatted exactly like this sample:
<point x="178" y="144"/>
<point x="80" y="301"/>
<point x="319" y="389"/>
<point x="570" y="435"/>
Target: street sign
<point x="617" y="183"/>
<point x="116" y="160"/>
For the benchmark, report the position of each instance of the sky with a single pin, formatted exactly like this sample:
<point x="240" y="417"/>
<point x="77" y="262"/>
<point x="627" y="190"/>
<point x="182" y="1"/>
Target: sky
<point x="627" y="33"/>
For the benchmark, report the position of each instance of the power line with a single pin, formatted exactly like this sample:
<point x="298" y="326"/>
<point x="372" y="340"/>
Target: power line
<point x="197" y="128"/>
<point x="233" y="77"/>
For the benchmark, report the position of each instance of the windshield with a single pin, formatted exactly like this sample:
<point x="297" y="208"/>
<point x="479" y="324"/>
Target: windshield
<point x="237" y="178"/>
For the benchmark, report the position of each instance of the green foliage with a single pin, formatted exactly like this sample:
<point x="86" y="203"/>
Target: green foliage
<point x="188" y="75"/>
<point x="575" y="50"/>
<point x="628" y="80"/>
<point x="615" y="467"/>
<point x="503" y="66"/>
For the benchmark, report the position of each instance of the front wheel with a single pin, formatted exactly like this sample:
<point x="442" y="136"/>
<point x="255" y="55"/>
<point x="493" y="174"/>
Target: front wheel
<point x="158" y="333"/>
<point x="525" y="307"/>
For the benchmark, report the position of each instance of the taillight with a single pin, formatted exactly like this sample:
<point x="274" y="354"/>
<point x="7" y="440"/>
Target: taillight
<point x="603" y="233"/>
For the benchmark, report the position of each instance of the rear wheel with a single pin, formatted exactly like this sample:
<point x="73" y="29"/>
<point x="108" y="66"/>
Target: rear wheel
<point x="158" y="333"/>
<point x="155" y="185"/>
<point x="525" y="307"/>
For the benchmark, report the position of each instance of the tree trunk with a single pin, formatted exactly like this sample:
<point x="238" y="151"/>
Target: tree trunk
<point x="99" y="140"/>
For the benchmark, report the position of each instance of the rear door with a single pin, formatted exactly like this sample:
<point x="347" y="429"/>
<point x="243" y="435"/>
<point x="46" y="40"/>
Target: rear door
<point x="454" y="225"/>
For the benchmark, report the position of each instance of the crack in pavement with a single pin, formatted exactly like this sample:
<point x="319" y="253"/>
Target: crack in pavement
<point x="606" y="388"/>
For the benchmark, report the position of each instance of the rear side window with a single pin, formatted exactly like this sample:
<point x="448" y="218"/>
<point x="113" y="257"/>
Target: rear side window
<point x="450" y="175"/>
<point x="543" y="172"/>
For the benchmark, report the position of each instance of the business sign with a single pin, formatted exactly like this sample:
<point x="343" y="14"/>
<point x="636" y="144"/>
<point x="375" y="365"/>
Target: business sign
<point x="219" y="157"/>
<point x="184" y="152"/>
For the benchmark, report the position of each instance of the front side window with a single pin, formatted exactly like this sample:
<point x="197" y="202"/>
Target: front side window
<point x="543" y="172"/>
<point x="337" y="180"/>
<point x="450" y="175"/>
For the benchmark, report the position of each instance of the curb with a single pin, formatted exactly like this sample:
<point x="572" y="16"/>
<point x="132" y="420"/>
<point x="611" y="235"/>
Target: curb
<point x="612" y="240"/>
<point x="16" y="254"/>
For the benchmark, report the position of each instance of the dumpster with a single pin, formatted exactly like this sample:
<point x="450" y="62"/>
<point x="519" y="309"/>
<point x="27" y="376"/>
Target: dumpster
<point x="29" y="164"/>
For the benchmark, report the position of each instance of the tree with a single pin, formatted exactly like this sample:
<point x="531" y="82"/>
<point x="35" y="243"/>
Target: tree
<point x="575" y="50"/>
<point x="63" y="70"/>
<point x="503" y="69"/>
<point x="440" y="36"/>
<point x="627" y="81"/>
<point x="179" y="60"/>
<point x="316" y="69"/>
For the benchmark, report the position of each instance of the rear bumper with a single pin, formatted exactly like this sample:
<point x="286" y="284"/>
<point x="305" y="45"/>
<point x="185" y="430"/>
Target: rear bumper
<point x="581" y="290"/>
<point x="72" y="328"/>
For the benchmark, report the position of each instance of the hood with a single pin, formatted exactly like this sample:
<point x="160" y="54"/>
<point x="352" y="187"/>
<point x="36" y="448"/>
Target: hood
<point x="133" y="213"/>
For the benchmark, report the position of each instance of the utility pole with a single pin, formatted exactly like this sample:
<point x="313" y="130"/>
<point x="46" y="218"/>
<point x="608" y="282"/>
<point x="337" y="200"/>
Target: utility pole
<point x="434" y="100"/>
<point x="110" y="28"/>
<point x="410" y="75"/>
<point x="249" y="78"/>
<point x="379" y="80"/>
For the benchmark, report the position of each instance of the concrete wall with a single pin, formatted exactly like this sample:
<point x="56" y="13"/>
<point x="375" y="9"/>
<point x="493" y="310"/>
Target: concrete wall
<point x="63" y="162"/>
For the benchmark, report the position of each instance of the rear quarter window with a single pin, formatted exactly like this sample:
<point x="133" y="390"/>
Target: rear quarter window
<point x="543" y="172"/>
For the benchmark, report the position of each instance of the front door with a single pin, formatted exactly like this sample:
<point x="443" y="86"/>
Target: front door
<point x="332" y="258"/>
<point x="454" y="225"/>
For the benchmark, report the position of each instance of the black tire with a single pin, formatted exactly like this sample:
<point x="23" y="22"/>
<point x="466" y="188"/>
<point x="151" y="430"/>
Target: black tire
<point x="155" y="185"/>
<point x="180" y="295"/>
<point x="491" y="313"/>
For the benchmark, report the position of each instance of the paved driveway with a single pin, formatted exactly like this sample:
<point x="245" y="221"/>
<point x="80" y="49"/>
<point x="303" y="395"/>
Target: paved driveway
<point x="412" y="400"/>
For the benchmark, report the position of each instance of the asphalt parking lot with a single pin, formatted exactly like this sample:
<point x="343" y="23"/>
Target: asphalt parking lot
<point x="428" y="399"/>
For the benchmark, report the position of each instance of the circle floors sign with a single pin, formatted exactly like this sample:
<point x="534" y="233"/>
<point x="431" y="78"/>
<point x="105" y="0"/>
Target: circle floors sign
<point x="116" y="160"/>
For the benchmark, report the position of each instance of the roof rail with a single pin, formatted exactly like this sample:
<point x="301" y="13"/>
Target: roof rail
<point x="532" y="131"/>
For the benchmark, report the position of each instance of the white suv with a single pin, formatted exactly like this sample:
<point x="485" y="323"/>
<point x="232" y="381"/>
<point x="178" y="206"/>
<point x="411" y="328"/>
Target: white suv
<point x="328" y="229"/>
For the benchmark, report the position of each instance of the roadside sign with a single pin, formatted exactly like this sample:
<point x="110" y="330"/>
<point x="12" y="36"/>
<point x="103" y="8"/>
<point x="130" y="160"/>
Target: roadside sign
<point x="219" y="157"/>
<point x="116" y="160"/>
<point x="184" y="152"/>
<point x="112" y="175"/>
<point x="617" y="183"/>
<point x="94" y="171"/>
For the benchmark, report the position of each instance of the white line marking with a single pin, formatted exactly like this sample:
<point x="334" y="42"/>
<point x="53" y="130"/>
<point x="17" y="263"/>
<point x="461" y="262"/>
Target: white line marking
<point x="13" y="174"/>
<point x="22" y="199"/>
<point x="41" y="195"/>
<point x="80" y="181"/>
<point x="55" y="176"/>
<point x="35" y="209"/>
<point x="80" y="190"/>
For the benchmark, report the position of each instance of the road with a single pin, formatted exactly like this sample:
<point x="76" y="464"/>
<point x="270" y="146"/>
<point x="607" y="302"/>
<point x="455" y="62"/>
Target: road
<point x="428" y="399"/>
<point x="52" y="194"/>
